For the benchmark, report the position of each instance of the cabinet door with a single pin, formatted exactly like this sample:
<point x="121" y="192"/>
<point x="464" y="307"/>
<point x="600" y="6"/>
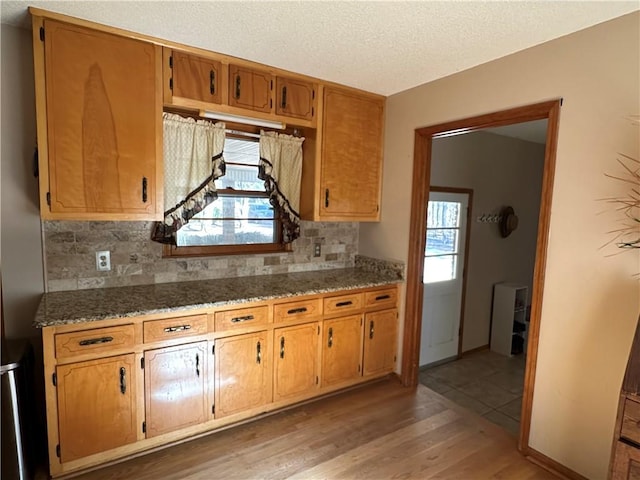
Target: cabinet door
<point x="626" y="462"/>
<point x="250" y="89"/>
<point x="295" y="355"/>
<point x="295" y="98"/>
<point x="351" y="162"/>
<point x="96" y="406"/>
<point x="175" y="387"/>
<point x="241" y="373"/>
<point x="103" y="121"/>
<point x="380" y="341"/>
<point x="196" y="78"/>
<point x="341" y="350"/>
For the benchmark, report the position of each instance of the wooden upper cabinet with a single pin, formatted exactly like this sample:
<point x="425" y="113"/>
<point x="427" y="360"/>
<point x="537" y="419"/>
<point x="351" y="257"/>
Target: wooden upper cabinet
<point x="242" y="373"/>
<point x="250" y="89"/>
<point x="103" y="124"/>
<point x="295" y="98"/>
<point x="351" y="156"/>
<point x="195" y="78"/>
<point x="341" y="350"/>
<point x="295" y="354"/>
<point x="96" y="406"/>
<point x="175" y="381"/>
<point x="380" y="342"/>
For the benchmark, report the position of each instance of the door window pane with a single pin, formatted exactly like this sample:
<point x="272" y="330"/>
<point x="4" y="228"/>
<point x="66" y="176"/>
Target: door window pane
<point x="440" y="268"/>
<point x="441" y="241"/>
<point x="443" y="214"/>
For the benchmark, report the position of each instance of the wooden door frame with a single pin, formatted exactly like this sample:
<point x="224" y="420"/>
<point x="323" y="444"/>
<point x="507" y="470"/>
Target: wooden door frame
<point x="465" y="260"/>
<point x="549" y="110"/>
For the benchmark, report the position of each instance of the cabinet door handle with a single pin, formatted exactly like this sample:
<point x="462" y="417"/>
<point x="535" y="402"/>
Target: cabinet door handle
<point x="383" y="297"/>
<point x="246" y="318"/>
<point x="330" y="342"/>
<point x="281" y="347"/>
<point x="344" y="304"/>
<point x="212" y="82"/>
<point x="296" y="310"/>
<point x="258" y="354"/>
<point x="95" y="341"/>
<point x="237" y="87"/>
<point x="284" y="97"/>
<point x="123" y="380"/>
<point x="326" y="198"/>
<point x="197" y="365"/>
<point x="371" y="329"/>
<point x="144" y="189"/>
<point x="177" y="328"/>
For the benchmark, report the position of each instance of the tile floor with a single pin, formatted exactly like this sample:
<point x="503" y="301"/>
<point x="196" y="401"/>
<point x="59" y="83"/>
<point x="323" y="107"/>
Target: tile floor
<point x="485" y="382"/>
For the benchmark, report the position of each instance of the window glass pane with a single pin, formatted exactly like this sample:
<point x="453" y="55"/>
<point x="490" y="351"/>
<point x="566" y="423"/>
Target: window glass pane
<point x="442" y="240"/>
<point x="241" y="177"/>
<point x="443" y="214"/>
<point x="237" y="150"/>
<point x="237" y="207"/>
<point x="440" y="269"/>
<point x="226" y="232"/>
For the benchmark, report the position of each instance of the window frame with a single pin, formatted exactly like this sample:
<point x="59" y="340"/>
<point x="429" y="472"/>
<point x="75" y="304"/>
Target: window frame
<point x="247" y="133"/>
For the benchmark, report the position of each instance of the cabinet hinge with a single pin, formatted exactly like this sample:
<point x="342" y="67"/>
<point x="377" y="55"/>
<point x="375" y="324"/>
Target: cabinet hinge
<point x="54" y="379"/>
<point x="271" y="85"/>
<point x="144" y="427"/>
<point x="42" y="40"/>
<point x="58" y="450"/>
<point x="171" y="84"/>
<point x="313" y="112"/>
<point x="49" y="198"/>
<point x="271" y="103"/>
<point x="313" y="94"/>
<point x="171" y="61"/>
<point x="142" y="363"/>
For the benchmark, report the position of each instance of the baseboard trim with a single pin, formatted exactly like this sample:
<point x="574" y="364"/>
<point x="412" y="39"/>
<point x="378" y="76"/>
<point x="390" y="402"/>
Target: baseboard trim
<point x="474" y="350"/>
<point x="552" y="466"/>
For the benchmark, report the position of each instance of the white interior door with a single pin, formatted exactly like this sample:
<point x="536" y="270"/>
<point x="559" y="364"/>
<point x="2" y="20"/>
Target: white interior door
<point x="442" y="275"/>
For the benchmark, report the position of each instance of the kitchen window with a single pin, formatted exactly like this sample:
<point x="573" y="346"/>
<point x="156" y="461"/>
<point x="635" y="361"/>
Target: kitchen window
<point x="242" y="219"/>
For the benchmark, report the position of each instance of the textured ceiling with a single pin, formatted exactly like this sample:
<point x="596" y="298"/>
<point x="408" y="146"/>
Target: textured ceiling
<point x="383" y="47"/>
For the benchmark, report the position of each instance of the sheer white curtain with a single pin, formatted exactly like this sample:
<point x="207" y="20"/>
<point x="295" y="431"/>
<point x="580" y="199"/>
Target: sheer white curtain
<point x="192" y="162"/>
<point x="281" y="169"/>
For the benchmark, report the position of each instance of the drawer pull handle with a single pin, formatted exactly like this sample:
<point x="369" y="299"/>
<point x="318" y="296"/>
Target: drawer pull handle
<point x="383" y="297"/>
<point x="212" y="82"/>
<point x="258" y="354"/>
<point x="144" y="190"/>
<point x="284" y="98"/>
<point x="178" y="328"/>
<point x="95" y="341"/>
<point x="344" y="304"/>
<point x="197" y="365"/>
<point x="123" y="380"/>
<point x="281" y="347"/>
<point x="296" y="310"/>
<point x="246" y="318"/>
<point x="330" y="342"/>
<point x="371" y="329"/>
<point x="237" y="95"/>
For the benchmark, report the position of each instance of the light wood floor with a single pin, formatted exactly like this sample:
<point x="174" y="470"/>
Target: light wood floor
<point x="378" y="431"/>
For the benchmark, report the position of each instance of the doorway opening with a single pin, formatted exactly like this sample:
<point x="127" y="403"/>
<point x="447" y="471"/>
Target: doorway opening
<point x="415" y="265"/>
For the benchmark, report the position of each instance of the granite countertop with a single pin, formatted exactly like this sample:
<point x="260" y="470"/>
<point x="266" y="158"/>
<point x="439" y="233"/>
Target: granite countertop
<point x="79" y="306"/>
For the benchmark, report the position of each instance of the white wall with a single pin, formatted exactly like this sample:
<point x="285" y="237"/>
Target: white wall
<point x="501" y="171"/>
<point x="22" y="272"/>
<point x="591" y="300"/>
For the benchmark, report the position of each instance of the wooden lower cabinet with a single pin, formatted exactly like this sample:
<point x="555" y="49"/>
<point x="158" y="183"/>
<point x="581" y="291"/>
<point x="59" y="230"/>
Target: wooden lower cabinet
<point x="96" y="406"/>
<point x="380" y="342"/>
<point x="341" y="350"/>
<point x="295" y="353"/>
<point x="241" y="373"/>
<point x="175" y="387"/>
<point x="626" y="464"/>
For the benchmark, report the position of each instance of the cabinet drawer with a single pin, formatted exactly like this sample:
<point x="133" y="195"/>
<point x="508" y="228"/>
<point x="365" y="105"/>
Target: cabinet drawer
<point x="169" y="328"/>
<point x="94" y="341"/>
<point x="384" y="298"/>
<point x="342" y="303"/>
<point x="297" y="310"/>
<point x="241" y="318"/>
<point x="631" y="421"/>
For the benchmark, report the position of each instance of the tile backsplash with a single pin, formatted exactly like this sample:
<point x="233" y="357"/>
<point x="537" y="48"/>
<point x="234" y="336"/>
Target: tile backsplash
<point x="70" y="249"/>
